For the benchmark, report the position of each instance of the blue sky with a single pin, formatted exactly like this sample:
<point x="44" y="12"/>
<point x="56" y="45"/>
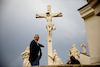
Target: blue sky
<point x="18" y="26"/>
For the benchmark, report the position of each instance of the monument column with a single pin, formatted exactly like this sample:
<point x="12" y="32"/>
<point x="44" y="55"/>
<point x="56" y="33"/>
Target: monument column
<point x="91" y="15"/>
<point x="50" y="61"/>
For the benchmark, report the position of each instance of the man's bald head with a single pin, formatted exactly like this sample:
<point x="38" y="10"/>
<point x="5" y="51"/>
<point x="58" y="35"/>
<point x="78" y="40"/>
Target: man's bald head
<point x="36" y="37"/>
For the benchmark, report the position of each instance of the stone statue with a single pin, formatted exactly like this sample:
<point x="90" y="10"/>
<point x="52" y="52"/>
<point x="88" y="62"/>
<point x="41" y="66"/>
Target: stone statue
<point x="50" y="27"/>
<point x="48" y="16"/>
<point x="56" y="59"/>
<point x="84" y="48"/>
<point x="26" y="54"/>
<point x="74" y="52"/>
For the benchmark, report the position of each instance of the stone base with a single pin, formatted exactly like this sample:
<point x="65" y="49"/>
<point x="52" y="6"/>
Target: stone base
<point x="69" y="66"/>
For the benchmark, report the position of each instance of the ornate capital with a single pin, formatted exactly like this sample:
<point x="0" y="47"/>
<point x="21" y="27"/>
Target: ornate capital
<point x="86" y="11"/>
<point x="90" y="9"/>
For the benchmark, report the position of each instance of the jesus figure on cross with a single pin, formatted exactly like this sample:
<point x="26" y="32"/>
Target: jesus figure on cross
<point x="48" y="17"/>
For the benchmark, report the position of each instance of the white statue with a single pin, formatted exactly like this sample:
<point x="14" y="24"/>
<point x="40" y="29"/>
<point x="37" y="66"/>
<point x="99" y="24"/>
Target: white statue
<point x="48" y="16"/>
<point x="56" y="59"/>
<point x="84" y="48"/>
<point x="74" y="52"/>
<point x="26" y="54"/>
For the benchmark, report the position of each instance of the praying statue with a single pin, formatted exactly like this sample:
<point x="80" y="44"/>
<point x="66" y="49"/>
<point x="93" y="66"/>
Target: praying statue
<point x="74" y="52"/>
<point x="56" y="59"/>
<point x="26" y="54"/>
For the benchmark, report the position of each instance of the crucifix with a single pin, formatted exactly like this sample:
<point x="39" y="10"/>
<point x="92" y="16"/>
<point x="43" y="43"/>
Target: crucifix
<point x="49" y="27"/>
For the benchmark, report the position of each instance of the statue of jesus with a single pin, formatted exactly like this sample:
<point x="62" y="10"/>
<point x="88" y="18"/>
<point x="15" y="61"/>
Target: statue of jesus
<point x="48" y="16"/>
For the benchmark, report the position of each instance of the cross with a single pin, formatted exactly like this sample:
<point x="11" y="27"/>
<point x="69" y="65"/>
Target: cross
<point x="48" y="14"/>
<point x="49" y="27"/>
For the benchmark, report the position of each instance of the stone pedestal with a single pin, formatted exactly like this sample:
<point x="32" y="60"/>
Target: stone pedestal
<point x="91" y="15"/>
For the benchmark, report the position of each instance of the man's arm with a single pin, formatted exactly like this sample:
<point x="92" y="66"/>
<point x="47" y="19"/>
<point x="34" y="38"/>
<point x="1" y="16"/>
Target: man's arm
<point x="41" y="45"/>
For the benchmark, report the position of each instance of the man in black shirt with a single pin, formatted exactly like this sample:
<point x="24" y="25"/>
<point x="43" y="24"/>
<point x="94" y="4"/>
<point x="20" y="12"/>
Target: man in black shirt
<point x="35" y="51"/>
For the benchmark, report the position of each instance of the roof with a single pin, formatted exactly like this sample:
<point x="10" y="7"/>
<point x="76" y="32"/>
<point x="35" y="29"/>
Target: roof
<point x="85" y="54"/>
<point x="82" y="7"/>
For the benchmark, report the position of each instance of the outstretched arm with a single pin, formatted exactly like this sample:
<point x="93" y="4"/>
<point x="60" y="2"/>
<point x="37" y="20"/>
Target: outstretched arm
<point x="40" y="15"/>
<point x="56" y="14"/>
<point x="41" y="45"/>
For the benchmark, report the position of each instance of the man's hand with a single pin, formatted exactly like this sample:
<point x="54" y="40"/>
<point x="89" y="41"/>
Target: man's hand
<point x="43" y="46"/>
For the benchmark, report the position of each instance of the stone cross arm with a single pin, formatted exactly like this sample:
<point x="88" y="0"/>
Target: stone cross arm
<point x="40" y="15"/>
<point x="56" y="14"/>
<point x="52" y="14"/>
